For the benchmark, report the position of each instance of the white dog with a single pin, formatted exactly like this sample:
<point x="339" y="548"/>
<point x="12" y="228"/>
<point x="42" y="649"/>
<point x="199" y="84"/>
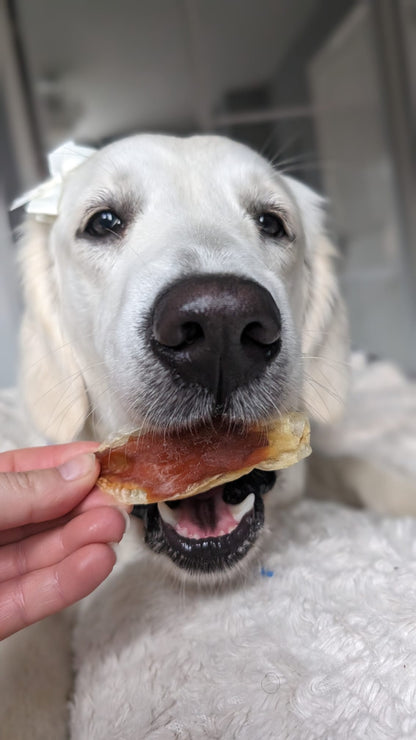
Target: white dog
<point x="182" y="279"/>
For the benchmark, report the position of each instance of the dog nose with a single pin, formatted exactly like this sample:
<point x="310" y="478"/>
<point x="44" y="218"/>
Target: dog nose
<point x="216" y="331"/>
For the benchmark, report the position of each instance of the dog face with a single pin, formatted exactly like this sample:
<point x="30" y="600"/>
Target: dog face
<point x="183" y="280"/>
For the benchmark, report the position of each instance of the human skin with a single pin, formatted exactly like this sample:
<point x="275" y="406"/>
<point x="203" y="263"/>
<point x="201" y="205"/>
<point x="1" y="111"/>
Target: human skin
<point x="55" y="531"/>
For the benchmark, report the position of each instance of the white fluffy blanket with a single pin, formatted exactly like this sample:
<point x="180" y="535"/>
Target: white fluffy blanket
<point x="373" y="448"/>
<point x="321" y="643"/>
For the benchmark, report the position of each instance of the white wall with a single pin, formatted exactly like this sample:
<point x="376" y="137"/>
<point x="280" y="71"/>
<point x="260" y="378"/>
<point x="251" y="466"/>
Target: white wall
<point x="359" y="181"/>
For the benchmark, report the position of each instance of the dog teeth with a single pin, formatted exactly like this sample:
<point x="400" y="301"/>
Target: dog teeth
<point x="238" y="510"/>
<point x="167" y="514"/>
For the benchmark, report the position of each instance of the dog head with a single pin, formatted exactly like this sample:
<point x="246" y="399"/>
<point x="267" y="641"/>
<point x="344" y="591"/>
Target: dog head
<point x="182" y="280"/>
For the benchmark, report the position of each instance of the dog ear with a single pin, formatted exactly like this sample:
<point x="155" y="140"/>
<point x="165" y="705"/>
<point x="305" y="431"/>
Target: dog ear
<point x="51" y="380"/>
<point x="325" y="340"/>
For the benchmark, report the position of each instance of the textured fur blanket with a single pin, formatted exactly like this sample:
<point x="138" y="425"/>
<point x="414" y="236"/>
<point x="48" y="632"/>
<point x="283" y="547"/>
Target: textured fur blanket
<point x="321" y="643"/>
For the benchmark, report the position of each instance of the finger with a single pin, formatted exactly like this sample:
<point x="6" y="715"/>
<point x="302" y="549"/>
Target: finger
<point x="36" y="595"/>
<point x="20" y="533"/>
<point x="97" y="497"/>
<point x="93" y="500"/>
<point x="39" y="495"/>
<point x="48" y="548"/>
<point x="37" y="458"/>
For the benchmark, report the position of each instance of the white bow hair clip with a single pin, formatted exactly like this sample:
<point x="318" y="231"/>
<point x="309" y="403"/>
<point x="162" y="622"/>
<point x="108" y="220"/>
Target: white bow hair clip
<point x="43" y="200"/>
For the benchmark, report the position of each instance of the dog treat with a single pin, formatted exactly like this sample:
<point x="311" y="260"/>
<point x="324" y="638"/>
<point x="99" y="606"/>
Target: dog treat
<point x="151" y="467"/>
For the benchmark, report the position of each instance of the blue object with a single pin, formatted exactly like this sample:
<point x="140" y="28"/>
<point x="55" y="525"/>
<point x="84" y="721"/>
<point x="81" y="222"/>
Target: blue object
<point x="267" y="573"/>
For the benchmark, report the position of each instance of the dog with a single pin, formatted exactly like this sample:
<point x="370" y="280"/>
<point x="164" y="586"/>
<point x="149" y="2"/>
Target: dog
<point x="184" y="280"/>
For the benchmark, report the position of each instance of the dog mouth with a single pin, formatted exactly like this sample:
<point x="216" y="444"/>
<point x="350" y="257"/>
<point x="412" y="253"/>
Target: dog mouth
<point x="213" y="530"/>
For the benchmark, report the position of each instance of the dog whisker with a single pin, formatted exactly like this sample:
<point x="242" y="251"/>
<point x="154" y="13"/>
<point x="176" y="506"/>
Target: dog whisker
<point x="53" y="351"/>
<point x="67" y="380"/>
<point x="343" y="364"/>
<point x="324" y="393"/>
<point x="61" y="413"/>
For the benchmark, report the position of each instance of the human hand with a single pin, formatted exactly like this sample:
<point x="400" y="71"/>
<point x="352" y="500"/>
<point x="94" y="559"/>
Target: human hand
<point x="54" y="531"/>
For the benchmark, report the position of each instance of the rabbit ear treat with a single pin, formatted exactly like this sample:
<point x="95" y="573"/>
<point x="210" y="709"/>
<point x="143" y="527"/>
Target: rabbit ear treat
<point x="151" y="467"/>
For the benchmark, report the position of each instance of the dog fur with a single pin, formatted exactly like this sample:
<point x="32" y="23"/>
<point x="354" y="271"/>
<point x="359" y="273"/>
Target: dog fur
<point x="86" y="371"/>
<point x="81" y="353"/>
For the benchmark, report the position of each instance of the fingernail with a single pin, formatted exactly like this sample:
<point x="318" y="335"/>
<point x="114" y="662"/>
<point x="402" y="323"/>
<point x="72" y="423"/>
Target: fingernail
<point x="126" y="518"/>
<point x="114" y="547"/>
<point x="77" y="467"/>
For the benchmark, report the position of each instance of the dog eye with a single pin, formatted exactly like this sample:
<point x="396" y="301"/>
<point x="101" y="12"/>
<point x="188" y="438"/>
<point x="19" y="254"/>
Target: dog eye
<point x="104" y="223"/>
<point x="271" y="225"/>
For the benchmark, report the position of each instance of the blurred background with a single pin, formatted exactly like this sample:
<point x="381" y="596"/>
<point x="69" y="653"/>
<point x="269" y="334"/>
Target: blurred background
<point x="326" y="88"/>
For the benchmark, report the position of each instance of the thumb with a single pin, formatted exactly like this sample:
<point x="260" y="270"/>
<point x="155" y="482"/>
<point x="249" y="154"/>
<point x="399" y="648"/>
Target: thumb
<point x="39" y="495"/>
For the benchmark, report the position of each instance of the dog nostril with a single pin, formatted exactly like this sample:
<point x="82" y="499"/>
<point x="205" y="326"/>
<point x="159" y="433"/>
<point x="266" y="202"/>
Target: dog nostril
<point x="262" y="339"/>
<point x="192" y="331"/>
<point x="175" y="335"/>
<point x="260" y="333"/>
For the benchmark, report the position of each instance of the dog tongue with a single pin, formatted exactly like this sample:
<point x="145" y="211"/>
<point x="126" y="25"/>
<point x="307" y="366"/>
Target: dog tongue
<point x="205" y="515"/>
